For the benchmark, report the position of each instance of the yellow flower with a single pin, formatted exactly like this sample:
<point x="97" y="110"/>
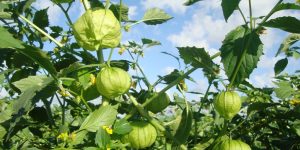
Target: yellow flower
<point x="63" y="136"/>
<point x="92" y="79"/>
<point x="121" y="50"/>
<point x="295" y="101"/>
<point x="108" y="129"/>
<point x="72" y="136"/>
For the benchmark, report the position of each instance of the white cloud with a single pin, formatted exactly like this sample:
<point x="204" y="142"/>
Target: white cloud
<point x="176" y="5"/>
<point x="54" y="12"/>
<point x="267" y="62"/>
<point x="263" y="79"/>
<point x="132" y="11"/>
<point x="206" y="28"/>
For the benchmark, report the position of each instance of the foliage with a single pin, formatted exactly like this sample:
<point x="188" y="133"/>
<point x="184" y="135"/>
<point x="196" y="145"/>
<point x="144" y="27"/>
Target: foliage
<point x="71" y="98"/>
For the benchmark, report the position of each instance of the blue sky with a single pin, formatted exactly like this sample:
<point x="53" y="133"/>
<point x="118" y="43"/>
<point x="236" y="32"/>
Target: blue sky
<point x="200" y="25"/>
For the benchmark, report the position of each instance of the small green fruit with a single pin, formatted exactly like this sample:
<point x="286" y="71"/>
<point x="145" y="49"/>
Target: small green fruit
<point x="112" y="82"/>
<point x="97" y="28"/>
<point x="227" y="104"/>
<point x="159" y="103"/>
<point x="142" y="135"/>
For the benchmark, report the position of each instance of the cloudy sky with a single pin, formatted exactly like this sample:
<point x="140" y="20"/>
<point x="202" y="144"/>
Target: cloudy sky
<point x="200" y="25"/>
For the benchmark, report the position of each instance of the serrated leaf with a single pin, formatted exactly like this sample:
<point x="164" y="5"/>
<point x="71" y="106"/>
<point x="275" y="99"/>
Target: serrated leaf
<point x="191" y="2"/>
<point x="173" y="76"/>
<point x="197" y="57"/>
<point x="280" y="66"/>
<point x="32" y="82"/>
<point x="185" y="126"/>
<point x="228" y="7"/>
<point x="41" y="18"/>
<point x="26" y="100"/>
<point x="8" y="41"/>
<point x="284" y="89"/>
<point x="287" y="6"/>
<point x="102" y="139"/>
<point x="288" y="42"/>
<point x="289" y="24"/>
<point x="231" y="52"/>
<point x="104" y="116"/>
<point x="155" y="16"/>
<point x="122" y="127"/>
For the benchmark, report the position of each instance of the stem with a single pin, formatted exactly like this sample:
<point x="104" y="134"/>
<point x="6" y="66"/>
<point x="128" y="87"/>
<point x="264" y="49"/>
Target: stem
<point x="41" y="31"/>
<point x="175" y="82"/>
<point x="237" y="68"/>
<point x="145" y="114"/>
<point x="250" y="12"/>
<point x="120" y="13"/>
<point x="85" y="5"/>
<point x="270" y="14"/>
<point x="110" y="54"/>
<point x="146" y="81"/>
<point x="84" y="102"/>
<point x="48" y="110"/>
<point x="250" y="39"/>
<point x="100" y="56"/>
<point x="63" y="109"/>
<point x="66" y="13"/>
<point x="244" y="18"/>
<point x="107" y="4"/>
<point x="132" y="112"/>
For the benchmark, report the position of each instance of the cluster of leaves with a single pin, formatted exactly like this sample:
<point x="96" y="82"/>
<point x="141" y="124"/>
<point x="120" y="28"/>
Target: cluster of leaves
<point x="49" y="103"/>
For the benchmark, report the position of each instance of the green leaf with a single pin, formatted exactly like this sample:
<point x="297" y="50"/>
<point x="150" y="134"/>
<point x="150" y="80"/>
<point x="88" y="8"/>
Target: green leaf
<point x="284" y="90"/>
<point x="280" y="66"/>
<point x="104" y="116"/>
<point x="79" y="138"/>
<point x="228" y="7"/>
<point x="288" y="42"/>
<point x="26" y="100"/>
<point x="296" y="126"/>
<point x="185" y="126"/>
<point x="197" y="57"/>
<point x="41" y="18"/>
<point x="102" y="139"/>
<point x="155" y="16"/>
<point x="62" y="1"/>
<point x="2" y="132"/>
<point x="31" y="82"/>
<point x="150" y="42"/>
<point x="116" y="10"/>
<point x="286" y="6"/>
<point x="179" y="101"/>
<point x="8" y="41"/>
<point x="5" y="15"/>
<point x="191" y="2"/>
<point x="231" y="52"/>
<point x="39" y="57"/>
<point x="289" y="24"/>
<point x="122" y="127"/>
